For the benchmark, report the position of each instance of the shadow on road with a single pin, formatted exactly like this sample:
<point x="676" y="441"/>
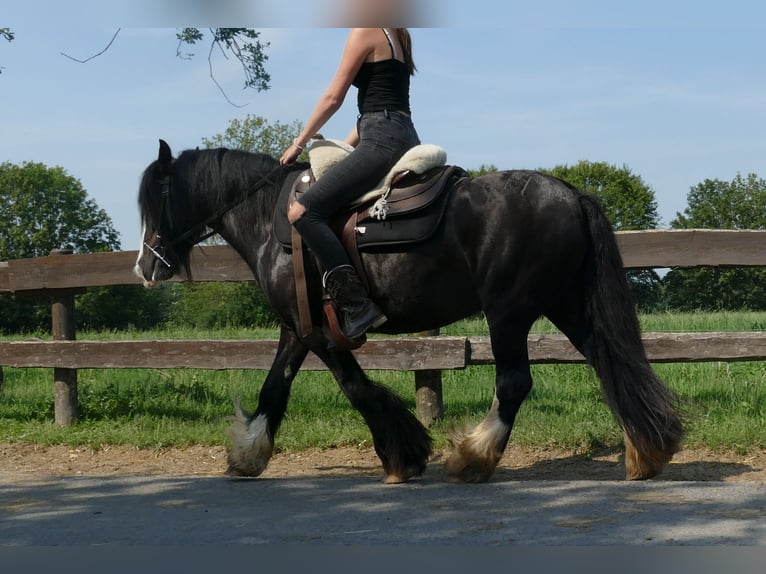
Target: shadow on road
<point x="581" y="510"/>
<point x="604" y="465"/>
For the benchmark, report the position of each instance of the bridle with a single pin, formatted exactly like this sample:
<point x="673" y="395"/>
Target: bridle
<point x="157" y="249"/>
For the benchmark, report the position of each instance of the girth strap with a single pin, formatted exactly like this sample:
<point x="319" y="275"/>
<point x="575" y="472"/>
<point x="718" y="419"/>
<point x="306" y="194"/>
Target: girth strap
<point x="301" y="291"/>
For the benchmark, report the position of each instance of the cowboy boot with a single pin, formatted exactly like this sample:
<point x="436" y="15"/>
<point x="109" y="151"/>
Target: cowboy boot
<point x="359" y="313"/>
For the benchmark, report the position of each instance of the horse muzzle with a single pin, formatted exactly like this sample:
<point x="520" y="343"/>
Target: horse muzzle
<point x="153" y="271"/>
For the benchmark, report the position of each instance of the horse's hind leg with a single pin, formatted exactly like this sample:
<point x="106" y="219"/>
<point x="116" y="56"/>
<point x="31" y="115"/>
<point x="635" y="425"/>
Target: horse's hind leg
<point x="476" y="453"/>
<point x="401" y="442"/>
<point x="643" y="459"/>
<point x="252" y="437"/>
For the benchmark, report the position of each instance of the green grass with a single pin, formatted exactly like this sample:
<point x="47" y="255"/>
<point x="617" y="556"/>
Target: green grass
<point x="725" y="402"/>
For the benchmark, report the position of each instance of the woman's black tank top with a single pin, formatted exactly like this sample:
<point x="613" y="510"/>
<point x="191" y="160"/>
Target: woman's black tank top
<point x="383" y="85"/>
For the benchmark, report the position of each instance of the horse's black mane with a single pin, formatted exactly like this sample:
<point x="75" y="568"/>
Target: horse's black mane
<point x="222" y="174"/>
<point x="212" y="177"/>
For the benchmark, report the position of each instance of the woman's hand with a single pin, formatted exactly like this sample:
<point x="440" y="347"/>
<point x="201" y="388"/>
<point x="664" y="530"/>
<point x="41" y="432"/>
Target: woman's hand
<point x="290" y="155"/>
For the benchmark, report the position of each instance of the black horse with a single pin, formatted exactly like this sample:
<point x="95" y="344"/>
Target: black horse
<point x="515" y="245"/>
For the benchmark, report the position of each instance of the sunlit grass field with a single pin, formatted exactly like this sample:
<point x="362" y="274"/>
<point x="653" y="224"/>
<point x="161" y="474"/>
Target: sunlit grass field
<point x="725" y="403"/>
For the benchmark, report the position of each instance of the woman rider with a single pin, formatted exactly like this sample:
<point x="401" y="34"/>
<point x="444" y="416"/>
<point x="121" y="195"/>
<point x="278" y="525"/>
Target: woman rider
<point x="378" y="61"/>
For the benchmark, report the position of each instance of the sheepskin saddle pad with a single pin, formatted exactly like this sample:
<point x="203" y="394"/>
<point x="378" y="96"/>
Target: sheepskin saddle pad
<point x="405" y="207"/>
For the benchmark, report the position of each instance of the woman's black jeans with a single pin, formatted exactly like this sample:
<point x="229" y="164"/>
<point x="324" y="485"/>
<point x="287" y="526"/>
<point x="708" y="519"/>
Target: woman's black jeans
<point x="383" y="139"/>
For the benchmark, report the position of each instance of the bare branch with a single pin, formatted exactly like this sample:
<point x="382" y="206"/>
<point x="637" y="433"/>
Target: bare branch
<point x="212" y="77"/>
<point x="109" y="45"/>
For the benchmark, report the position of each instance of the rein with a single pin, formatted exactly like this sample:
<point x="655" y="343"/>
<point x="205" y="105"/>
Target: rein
<point x="266" y="179"/>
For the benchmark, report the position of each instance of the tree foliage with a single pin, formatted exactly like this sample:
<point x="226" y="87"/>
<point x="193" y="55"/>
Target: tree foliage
<point x="123" y="307"/>
<point x="256" y="134"/>
<point x="716" y="204"/>
<point x="244" y="44"/>
<point x="216" y="305"/>
<point x="44" y="208"/>
<point x="483" y="169"/>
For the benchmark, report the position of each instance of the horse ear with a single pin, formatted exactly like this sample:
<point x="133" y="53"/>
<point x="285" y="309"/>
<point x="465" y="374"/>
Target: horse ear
<point x="166" y="156"/>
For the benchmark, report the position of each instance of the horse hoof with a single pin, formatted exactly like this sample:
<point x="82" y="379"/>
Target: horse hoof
<point x="404" y="476"/>
<point x="394" y="479"/>
<point x="233" y="471"/>
<point x="475" y="469"/>
<point x="647" y="464"/>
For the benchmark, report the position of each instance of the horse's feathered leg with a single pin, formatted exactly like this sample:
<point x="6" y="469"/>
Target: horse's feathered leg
<point x="600" y="319"/>
<point x="476" y="453"/>
<point x="401" y="442"/>
<point x="252" y="437"/>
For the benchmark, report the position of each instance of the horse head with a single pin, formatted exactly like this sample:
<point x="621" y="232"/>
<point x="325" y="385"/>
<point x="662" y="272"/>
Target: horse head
<point x="161" y="200"/>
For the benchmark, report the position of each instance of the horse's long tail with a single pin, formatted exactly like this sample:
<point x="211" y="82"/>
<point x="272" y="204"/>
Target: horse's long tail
<point x="641" y="401"/>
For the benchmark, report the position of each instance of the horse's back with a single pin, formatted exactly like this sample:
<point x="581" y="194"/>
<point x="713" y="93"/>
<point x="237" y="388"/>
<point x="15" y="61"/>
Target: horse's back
<point x="506" y="208"/>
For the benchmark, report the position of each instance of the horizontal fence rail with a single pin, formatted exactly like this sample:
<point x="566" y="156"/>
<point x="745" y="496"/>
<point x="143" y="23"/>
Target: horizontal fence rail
<point x="60" y="277"/>
<point x="399" y="354"/>
<point x="640" y="250"/>
<point x="395" y="354"/>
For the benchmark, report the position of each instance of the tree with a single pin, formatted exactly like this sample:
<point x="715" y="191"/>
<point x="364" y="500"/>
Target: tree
<point x="256" y="135"/>
<point x="716" y="204"/>
<point x="218" y="305"/>
<point x="629" y="204"/>
<point x="244" y="44"/>
<point x="484" y="169"/>
<point x="44" y="208"/>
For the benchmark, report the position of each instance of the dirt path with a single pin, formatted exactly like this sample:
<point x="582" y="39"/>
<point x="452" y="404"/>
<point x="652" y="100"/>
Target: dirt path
<point x="519" y="463"/>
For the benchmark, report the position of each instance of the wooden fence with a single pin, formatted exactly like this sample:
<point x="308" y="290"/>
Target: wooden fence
<point x="61" y="275"/>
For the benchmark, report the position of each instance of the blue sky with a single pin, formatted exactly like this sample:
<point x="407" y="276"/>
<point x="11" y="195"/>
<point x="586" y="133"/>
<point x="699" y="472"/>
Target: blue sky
<point x="674" y="90"/>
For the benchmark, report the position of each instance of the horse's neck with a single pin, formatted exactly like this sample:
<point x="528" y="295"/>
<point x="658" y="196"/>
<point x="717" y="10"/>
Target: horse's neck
<point x="248" y="227"/>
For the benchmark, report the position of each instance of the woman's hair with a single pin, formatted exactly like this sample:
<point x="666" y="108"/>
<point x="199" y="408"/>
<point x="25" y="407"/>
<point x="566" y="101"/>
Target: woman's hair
<point x="405" y="41"/>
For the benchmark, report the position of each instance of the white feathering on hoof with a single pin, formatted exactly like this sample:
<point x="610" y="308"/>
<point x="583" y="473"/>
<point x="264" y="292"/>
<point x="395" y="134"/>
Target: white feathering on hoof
<point x="475" y="453"/>
<point x="251" y="446"/>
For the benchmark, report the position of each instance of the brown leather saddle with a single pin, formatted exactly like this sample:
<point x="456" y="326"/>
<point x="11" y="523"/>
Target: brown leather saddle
<point x="414" y="209"/>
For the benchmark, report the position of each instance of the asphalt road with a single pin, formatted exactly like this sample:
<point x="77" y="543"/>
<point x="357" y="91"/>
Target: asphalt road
<point x="200" y="511"/>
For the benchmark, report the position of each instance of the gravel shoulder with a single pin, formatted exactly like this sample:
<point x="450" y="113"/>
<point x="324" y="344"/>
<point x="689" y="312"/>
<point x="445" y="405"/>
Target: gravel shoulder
<point x="518" y="463"/>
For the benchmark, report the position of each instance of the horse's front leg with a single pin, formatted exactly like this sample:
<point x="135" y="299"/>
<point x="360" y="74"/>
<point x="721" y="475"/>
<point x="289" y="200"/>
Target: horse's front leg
<point x="252" y="437"/>
<point x="401" y="442"/>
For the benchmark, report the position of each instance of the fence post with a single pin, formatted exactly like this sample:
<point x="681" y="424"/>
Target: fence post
<point x="63" y="329"/>
<point x="428" y="391"/>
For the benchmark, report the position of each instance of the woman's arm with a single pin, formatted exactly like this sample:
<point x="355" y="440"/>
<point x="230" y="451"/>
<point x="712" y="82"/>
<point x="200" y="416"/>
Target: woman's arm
<point x="358" y="47"/>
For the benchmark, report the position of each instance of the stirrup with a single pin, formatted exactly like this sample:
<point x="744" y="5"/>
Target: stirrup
<point x="326" y="274"/>
<point x="338" y="339"/>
